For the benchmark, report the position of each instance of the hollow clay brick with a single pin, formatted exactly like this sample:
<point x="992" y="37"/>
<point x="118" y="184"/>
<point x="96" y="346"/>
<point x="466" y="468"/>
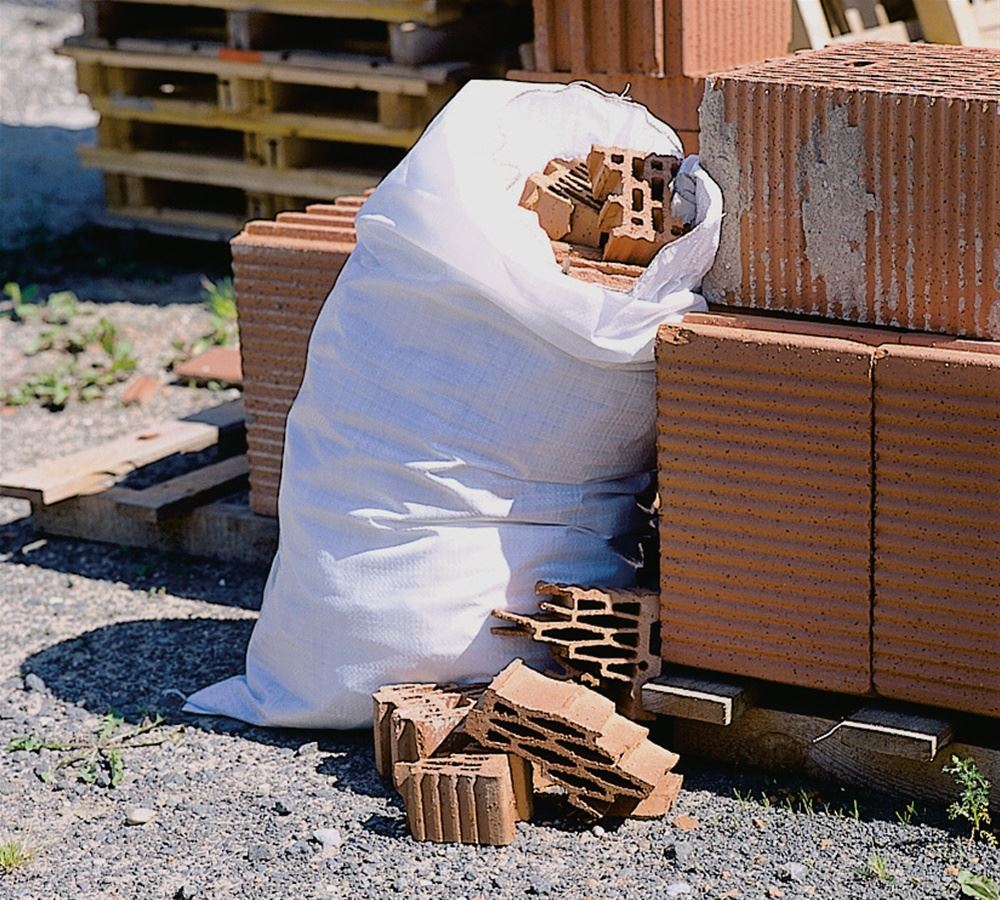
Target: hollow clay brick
<point x="764" y="459"/>
<point x="606" y="638"/>
<point x="937" y="526"/>
<point x="658" y="37"/>
<point x="561" y="198"/>
<point x="574" y="735"/>
<point x="415" y="721"/>
<point x="877" y="200"/>
<point x="635" y="220"/>
<point x="465" y="798"/>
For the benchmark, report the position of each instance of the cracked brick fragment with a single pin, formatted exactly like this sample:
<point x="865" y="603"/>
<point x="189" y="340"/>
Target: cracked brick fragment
<point x="561" y="198"/>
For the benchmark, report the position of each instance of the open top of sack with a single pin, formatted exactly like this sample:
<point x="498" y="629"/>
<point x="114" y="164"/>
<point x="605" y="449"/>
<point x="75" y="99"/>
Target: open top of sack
<point x="455" y="197"/>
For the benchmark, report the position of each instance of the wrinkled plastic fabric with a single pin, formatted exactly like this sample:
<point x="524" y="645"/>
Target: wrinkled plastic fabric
<point x="471" y="419"/>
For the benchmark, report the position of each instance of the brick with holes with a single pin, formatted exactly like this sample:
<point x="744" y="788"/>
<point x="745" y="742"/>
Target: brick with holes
<point x="465" y="798"/>
<point x="561" y="198"/>
<point x="602" y="759"/>
<point x="611" y="635"/>
<point x="415" y="721"/>
<point x="634" y="187"/>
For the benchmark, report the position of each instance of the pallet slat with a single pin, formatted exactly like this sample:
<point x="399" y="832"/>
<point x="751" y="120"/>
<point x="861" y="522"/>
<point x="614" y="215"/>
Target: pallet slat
<point x="94" y="469"/>
<point x="177" y="495"/>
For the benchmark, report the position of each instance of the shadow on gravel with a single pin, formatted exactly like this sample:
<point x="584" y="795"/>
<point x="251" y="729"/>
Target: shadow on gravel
<point x="190" y="578"/>
<point x="145" y="667"/>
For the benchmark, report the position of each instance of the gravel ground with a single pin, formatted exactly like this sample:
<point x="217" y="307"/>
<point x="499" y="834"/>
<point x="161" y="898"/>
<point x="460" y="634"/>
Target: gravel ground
<point x="238" y="811"/>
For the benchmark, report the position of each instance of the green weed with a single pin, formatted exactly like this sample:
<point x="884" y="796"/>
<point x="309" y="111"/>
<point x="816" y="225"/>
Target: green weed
<point x="103" y="752"/>
<point x="878" y="869"/>
<point x="973" y="803"/>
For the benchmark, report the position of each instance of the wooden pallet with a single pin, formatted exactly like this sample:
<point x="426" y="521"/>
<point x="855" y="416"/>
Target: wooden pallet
<point x="203" y="511"/>
<point x="894" y="748"/>
<point x="818" y="23"/>
<point x="407" y="31"/>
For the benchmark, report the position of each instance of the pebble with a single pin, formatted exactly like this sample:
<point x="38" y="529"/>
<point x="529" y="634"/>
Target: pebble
<point x="684" y="854"/>
<point x="539" y="885"/>
<point x="283" y="806"/>
<point x="259" y="853"/>
<point x="677" y="889"/>
<point x="794" y="871"/>
<point x="598" y="831"/>
<point x="139" y="815"/>
<point x="328" y="837"/>
<point x="33" y="682"/>
<point x="308" y="749"/>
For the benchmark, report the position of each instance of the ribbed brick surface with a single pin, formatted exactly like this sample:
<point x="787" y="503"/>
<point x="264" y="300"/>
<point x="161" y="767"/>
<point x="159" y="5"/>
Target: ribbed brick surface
<point x="658" y="37"/>
<point x="283" y="272"/>
<point x="861" y="182"/>
<point x="937" y="527"/>
<point x="764" y="443"/>
<point x="673" y="99"/>
<point x="465" y="798"/>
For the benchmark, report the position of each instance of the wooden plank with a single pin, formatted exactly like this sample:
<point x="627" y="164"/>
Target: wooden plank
<point x="809" y="25"/>
<point x="948" y="22"/>
<point x="698" y="697"/>
<point x="348" y="71"/>
<point x="880" y="730"/>
<point x="428" y="11"/>
<point x="779" y="740"/>
<point x="225" y="529"/>
<point x="176" y="495"/>
<point x="313" y="183"/>
<point x="191" y="224"/>
<point x="208" y="115"/>
<point x="96" y="468"/>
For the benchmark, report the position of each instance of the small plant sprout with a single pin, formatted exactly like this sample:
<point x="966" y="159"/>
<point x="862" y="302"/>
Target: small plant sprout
<point x="907" y="815"/>
<point x="12" y="857"/>
<point x="879" y="869"/>
<point x="973" y="802"/>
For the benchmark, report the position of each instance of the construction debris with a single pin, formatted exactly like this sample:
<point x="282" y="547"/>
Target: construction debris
<point x="415" y="721"/>
<point x="604" y="761"/>
<point x="617" y="202"/>
<point x="608" y="639"/>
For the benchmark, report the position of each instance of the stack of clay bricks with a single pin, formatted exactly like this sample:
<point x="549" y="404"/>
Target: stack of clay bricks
<point x="660" y="50"/>
<point x="283" y="270"/>
<point x="830" y="491"/>
<point x="463" y="758"/>
<point x="618" y="202"/>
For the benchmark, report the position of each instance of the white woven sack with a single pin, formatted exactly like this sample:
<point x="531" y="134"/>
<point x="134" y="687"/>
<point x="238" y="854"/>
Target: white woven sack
<point x="471" y="419"/>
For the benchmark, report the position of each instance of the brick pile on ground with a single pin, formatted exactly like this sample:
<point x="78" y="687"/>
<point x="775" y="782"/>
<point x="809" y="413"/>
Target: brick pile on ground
<point x="610" y="213"/>
<point x="465" y="770"/>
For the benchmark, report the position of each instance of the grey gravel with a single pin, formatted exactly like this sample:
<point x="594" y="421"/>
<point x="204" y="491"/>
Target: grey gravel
<point x="33" y="683"/>
<point x="328" y="837"/>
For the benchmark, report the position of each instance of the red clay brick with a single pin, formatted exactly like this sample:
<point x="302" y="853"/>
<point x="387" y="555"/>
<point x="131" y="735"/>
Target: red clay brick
<point x="673" y="99"/>
<point x="215" y="364"/>
<point x="608" y="638"/>
<point x="141" y="389"/>
<point x="876" y="201"/>
<point x="465" y="798"/>
<point x="415" y="721"/>
<point x="937" y="527"/>
<point x="635" y="220"/>
<point x="561" y="198"/>
<point x="764" y="442"/>
<point x="657" y="37"/>
<point x="574" y="734"/>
